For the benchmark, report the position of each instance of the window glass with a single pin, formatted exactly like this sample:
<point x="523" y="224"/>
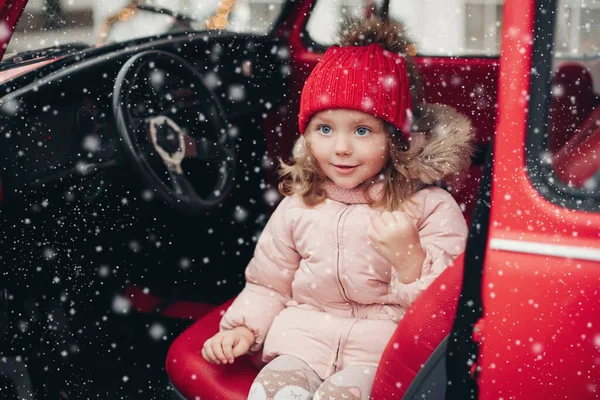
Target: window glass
<point x="327" y="15"/>
<point x="438" y="27"/>
<point x="574" y="116"/>
<point x="46" y="23"/>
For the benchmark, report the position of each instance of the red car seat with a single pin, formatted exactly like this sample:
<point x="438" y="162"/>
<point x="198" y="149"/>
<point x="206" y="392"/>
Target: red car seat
<point x="573" y="99"/>
<point x="579" y="159"/>
<point x="424" y="327"/>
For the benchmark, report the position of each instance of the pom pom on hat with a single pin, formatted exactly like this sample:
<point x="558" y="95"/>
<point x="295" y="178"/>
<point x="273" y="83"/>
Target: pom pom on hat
<point x="389" y="34"/>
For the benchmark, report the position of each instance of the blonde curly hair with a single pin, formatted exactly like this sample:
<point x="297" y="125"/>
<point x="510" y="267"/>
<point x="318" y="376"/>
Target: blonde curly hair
<point x="439" y="150"/>
<point x="303" y="176"/>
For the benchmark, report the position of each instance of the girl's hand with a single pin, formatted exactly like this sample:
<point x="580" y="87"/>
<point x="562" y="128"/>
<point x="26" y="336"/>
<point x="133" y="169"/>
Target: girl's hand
<point x="397" y="239"/>
<point x="227" y="345"/>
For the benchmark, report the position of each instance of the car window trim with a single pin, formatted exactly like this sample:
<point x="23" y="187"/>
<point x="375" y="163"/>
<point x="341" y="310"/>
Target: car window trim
<point x="539" y="170"/>
<point x="545" y="249"/>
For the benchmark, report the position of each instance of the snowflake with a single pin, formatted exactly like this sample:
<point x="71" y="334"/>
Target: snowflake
<point x="10" y="107"/>
<point x="185" y="263"/>
<point x="240" y="214"/>
<point x="103" y="271"/>
<point x="389" y="82"/>
<point x="237" y="93"/>
<point x="49" y="253"/>
<point x="121" y="305"/>
<point x="157" y="331"/>
<point x="211" y="80"/>
<point x="271" y="196"/>
<point x="157" y="78"/>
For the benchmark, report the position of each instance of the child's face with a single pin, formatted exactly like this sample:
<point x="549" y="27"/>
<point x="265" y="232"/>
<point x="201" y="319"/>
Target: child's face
<point x="350" y="146"/>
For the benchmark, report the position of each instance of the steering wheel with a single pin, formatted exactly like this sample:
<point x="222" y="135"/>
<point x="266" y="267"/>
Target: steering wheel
<point x="174" y="131"/>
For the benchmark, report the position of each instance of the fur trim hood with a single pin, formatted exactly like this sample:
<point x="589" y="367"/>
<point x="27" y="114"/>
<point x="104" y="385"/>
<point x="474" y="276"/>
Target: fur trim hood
<point x="441" y="145"/>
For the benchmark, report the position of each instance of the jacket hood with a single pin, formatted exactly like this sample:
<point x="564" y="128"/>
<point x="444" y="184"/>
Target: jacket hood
<point x="441" y="145"/>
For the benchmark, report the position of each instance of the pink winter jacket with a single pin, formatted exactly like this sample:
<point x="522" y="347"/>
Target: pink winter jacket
<point x="316" y="288"/>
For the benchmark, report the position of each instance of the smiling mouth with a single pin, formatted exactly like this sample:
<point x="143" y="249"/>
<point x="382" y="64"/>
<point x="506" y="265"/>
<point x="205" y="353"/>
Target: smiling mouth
<point x="345" y="166"/>
<point x="344" y="169"/>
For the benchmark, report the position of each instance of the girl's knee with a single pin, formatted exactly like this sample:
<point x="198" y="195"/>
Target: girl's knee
<point x="329" y="390"/>
<point x="352" y="383"/>
<point x="280" y="385"/>
<point x="284" y="378"/>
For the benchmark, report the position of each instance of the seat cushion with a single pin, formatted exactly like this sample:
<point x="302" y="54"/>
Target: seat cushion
<point x="195" y="378"/>
<point x="422" y="329"/>
<point x="425" y="325"/>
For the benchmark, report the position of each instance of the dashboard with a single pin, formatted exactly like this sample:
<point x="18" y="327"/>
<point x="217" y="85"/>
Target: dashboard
<point x="63" y="137"/>
<point x="62" y="124"/>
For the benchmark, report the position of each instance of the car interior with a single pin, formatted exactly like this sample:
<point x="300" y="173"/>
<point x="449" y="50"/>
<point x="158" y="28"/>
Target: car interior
<point x="118" y="267"/>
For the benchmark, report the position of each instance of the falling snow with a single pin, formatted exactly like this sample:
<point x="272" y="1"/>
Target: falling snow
<point x="102" y="250"/>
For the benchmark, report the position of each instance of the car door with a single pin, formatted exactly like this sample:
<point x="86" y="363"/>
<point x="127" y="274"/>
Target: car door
<point x="540" y="332"/>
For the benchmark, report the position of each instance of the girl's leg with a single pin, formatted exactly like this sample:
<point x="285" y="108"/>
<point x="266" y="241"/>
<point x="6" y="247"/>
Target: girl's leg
<point x="353" y="383"/>
<point x="285" y="378"/>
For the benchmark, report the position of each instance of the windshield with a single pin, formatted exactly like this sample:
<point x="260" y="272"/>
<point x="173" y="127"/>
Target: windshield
<point x="47" y="23"/>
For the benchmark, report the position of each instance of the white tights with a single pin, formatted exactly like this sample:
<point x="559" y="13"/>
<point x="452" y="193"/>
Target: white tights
<point x="289" y="378"/>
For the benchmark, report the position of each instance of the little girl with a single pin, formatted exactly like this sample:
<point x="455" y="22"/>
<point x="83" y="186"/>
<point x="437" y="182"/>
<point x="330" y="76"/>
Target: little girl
<point x="361" y="231"/>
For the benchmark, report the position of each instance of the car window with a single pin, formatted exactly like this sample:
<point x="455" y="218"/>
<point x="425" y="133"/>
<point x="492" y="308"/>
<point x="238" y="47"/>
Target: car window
<point x="569" y="149"/>
<point x="438" y="27"/>
<point x="326" y="16"/>
<point x="46" y="23"/>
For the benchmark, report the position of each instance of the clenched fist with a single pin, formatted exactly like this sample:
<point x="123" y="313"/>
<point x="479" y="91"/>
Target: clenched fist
<point x="397" y="239"/>
<point x="227" y="345"/>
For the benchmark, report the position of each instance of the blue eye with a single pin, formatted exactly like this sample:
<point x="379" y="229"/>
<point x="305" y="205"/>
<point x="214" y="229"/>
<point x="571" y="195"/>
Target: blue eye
<point x="362" y="131"/>
<point x="324" y="129"/>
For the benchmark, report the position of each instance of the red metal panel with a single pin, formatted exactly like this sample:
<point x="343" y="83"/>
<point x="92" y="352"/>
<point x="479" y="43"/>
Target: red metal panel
<point x="542" y="331"/>
<point x="10" y="11"/>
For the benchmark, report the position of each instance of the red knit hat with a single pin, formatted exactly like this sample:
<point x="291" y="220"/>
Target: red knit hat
<point x="363" y="78"/>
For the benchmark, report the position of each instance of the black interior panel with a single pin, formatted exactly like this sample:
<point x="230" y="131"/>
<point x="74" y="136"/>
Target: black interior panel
<point x="77" y="225"/>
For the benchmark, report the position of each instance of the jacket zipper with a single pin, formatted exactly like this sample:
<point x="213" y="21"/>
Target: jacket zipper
<point x="337" y="355"/>
<point x="338" y="251"/>
<point x="339" y="278"/>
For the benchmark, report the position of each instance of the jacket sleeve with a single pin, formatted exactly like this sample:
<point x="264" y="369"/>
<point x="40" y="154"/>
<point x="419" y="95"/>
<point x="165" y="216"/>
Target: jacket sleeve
<point x="443" y="233"/>
<point x="269" y="278"/>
